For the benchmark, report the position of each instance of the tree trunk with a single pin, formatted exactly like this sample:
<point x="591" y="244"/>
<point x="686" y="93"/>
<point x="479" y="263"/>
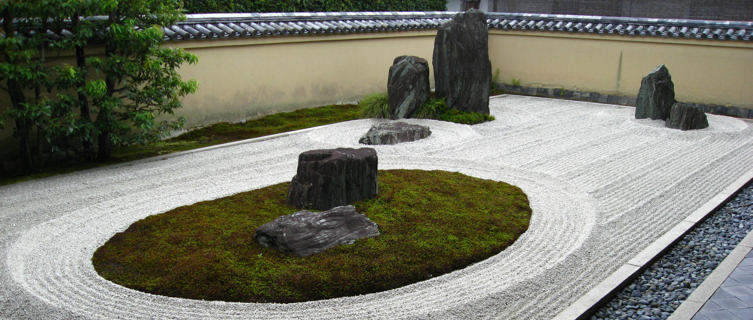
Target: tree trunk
<point x="17" y="99"/>
<point x="83" y="102"/>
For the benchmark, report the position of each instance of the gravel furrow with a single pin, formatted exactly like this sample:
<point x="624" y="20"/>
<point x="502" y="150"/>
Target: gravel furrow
<point x="602" y="186"/>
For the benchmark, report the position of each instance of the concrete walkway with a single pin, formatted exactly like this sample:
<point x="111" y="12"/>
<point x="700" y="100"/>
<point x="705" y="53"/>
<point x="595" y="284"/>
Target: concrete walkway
<point x="727" y="293"/>
<point x="603" y="186"/>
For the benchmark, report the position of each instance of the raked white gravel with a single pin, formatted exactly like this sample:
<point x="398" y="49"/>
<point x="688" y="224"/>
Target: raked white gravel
<point x="602" y="186"/>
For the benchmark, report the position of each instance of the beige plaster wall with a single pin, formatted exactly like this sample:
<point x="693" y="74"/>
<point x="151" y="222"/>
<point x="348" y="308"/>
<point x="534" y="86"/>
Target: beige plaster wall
<point x="703" y="71"/>
<point x="240" y="79"/>
<point x="246" y="78"/>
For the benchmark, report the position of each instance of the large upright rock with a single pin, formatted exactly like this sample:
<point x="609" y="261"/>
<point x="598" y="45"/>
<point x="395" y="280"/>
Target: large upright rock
<point x="407" y="85"/>
<point x="328" y="178"/>
<point x="305" y="233"/>
<point x="685" y="117"/>
<point x="656" y="96"/>
<point x="462" y="70"/>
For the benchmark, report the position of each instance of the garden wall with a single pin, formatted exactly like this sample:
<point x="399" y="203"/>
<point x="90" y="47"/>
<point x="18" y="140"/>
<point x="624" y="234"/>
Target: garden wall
<point x="703" y="71"/>
<point x="240" y="79"/>
<point x="256" y="64"/>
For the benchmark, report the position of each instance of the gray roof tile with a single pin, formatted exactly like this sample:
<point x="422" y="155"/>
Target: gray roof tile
<point x="226" y="25"/>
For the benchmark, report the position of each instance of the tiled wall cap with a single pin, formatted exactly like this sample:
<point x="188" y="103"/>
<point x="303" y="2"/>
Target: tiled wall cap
<point x="245" y="25"/>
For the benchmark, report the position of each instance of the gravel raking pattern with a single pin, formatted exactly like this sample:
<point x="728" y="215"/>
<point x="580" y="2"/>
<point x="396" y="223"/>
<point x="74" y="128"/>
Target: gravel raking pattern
<point x="602" y="186"/>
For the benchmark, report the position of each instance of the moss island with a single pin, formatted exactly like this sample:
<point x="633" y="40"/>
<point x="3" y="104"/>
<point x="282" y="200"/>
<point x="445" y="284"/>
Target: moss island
<point x="432" y="222"/>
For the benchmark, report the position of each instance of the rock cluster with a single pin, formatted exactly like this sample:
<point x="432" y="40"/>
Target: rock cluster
<point x="328" y="178"/>
<point x="685" y="117"/>
<point x="656" y="100"/>
<point x="462" y="70"/>
<point x="305" y="233"/>
<point x="394" y="132"/>
<point x="407" y="85"/>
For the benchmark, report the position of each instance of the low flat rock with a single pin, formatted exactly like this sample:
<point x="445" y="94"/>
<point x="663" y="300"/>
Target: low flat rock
<point x="327" y="178"/>
<point x="305" y="233"/>
<point x="685" y="117"/>
<point x="394" y="133"/>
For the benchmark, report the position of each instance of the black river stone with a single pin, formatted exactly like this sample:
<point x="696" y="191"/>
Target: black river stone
<point x="462" y="70"/>
<point x="407" y="85"/>
<point x="394" y="133"/>
<point x="305" y="233"/>
<point x="656" y="96"/>
<point x="685" y="117"/>
<point x="328" y="178"/>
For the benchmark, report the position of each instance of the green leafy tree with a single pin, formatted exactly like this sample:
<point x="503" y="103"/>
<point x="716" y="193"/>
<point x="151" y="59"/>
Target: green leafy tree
<point x="136" y="79"/>
<point x="39" y="117"/>
<point x="104" y="99"/>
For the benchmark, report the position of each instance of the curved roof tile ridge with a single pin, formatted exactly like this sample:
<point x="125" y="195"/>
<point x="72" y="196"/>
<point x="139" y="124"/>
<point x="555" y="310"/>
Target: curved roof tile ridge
<point x="308" y="23"/>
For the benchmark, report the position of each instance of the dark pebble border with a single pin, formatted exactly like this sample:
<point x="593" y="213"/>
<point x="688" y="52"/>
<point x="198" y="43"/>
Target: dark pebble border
<point x="663" y="286"/>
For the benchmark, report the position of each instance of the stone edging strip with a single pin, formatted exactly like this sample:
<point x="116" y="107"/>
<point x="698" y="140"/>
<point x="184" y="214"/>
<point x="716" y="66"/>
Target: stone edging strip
<point x="586" y="305"/>
<point x="561" y="93"/>
<point x="700" y="295"/>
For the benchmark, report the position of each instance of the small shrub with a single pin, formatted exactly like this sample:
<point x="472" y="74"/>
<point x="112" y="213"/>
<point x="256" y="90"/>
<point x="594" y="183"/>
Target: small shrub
<point x="437" y="109"/>
<point x="516" y="82"/>
<point x="430" y="109"/>
<point x="375" y="106"/>
<point x="457" y="116"/>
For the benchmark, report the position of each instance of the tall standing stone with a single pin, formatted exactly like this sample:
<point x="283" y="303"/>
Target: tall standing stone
<point x="462" y="70"/>
<point x="656" y="96"/>
<point x="328" y="178"/>
<point x="407" y="85"/>
<point x="685" y="117"/>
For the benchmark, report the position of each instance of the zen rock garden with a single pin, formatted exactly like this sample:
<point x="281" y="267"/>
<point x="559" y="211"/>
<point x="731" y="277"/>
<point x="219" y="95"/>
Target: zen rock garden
<point x="326" y="179"/>
<point x="462" y="73"/>
<point x="656" y="100"/>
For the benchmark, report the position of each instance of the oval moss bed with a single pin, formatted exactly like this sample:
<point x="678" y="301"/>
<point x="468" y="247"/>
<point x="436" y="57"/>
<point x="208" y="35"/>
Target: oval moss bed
<point x="432" y="222"/>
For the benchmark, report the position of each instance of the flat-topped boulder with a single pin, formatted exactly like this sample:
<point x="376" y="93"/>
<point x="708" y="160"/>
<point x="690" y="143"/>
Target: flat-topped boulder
<point x="685" y="117"/>
<point x="328" y="178"/>
<point x="305" y="233"/>
<point x="462" y="70"/>
<point x="656" y="95"/>
<point x="407" y="86"/>
<point x="394" y="133"/>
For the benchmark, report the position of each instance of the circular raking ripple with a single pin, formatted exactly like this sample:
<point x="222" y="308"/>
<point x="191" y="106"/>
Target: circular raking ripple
<point x="53" y="260"/>
<point x="585" y="223"/>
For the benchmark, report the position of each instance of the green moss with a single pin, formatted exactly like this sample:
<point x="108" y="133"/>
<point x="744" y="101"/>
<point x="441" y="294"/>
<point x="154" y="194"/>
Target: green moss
<point x="432" y="222"/>
<point x="212" y="135"/>
<point x="437" y="109"/>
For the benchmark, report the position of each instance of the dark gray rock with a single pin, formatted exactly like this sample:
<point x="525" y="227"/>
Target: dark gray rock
<point x="328" y="178"/>
<point x="462" y="70"/>
<point x="656" y="96"/>
<point x="394" y="132"/>
<point x="407" y="85"/>
<point x="305" y="233"/>
<point x="686" y="117"/>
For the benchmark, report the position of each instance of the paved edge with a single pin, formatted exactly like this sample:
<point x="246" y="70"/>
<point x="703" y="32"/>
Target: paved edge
<point x="587" y="304"/>
<point x="700" y="295"/>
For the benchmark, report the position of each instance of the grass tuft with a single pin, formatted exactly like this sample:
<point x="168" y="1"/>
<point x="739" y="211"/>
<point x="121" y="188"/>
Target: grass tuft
<point x="375" y="106"/>
<point x="432" y="222"/>
<point x="437" y="109"/>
